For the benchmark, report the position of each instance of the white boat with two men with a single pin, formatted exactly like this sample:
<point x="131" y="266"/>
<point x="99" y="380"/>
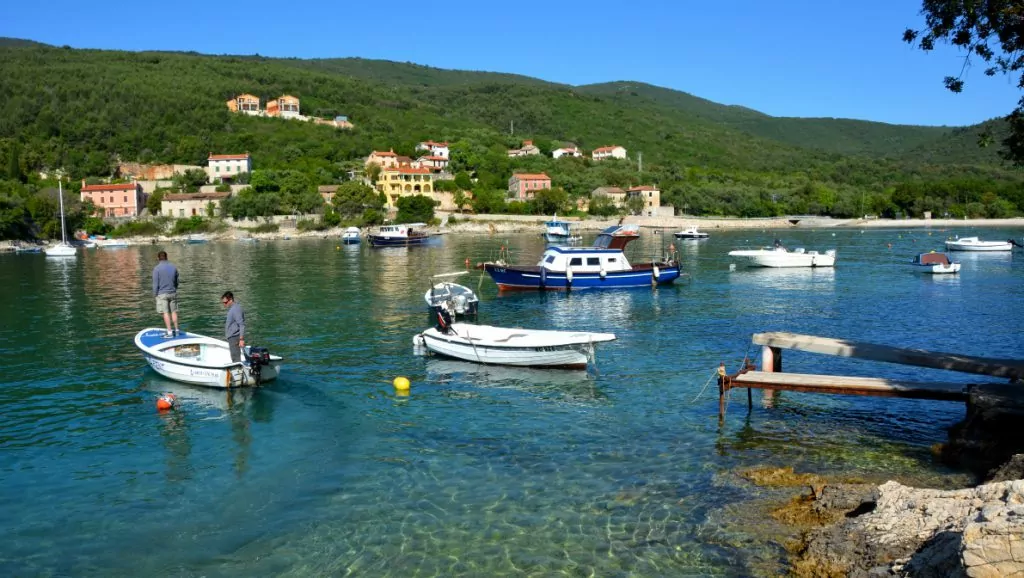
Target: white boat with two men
<point x="935" y="263"/>
<point x="202" y="360"/>
<point x="975" y="244"/>
<point x="510" y="346"/>
<point x="778" y="257"/>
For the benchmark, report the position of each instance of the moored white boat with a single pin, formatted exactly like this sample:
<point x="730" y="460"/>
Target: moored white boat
<point x="512" y="346"/>
<point x="457" y="300"/>
<point x="112" y="244"/>
<point x="691" y="233"/>
<point x="556" y="231"/>
<point x="202" y="360"/>
<point x="399" y="235"/>
<point x="975" y="244"/>
<point x="63" y="249"/>
<point x="778" y="256"/>
<point x="935" y="263"/>
<point x="350" y="236"/>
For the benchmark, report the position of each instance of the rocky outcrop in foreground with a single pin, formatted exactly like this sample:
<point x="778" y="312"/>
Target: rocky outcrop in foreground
<point x="976" y="532"/>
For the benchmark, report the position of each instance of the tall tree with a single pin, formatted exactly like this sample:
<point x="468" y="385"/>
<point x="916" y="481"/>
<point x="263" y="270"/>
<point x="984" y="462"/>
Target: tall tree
<point x="990" y="30"/>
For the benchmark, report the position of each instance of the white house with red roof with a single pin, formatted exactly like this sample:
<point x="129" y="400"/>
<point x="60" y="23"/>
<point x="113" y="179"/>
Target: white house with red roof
<point x="437" y="149"/>
<point x="609" y="152"/>
<point x="432" y="162"/>
<point x="115" y="200"/>
<point x="528" y="149"/>
<point x="566" y="151"/>
<point x="524" y="186"/>
<point x="227" y="167"/>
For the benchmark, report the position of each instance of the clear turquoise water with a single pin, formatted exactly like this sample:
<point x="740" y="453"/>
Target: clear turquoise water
<point x="481" y="471"/>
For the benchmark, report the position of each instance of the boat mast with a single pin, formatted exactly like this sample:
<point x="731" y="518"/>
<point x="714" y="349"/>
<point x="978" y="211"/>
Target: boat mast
<point x="60" y="198"/>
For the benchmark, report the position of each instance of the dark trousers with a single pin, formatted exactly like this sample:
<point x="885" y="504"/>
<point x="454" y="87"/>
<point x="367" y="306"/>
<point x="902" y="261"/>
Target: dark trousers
<point x="236" y="351"/>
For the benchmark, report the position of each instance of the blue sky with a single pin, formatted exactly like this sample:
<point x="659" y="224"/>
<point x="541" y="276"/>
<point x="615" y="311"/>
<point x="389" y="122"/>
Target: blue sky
<point x="789" y="58"/>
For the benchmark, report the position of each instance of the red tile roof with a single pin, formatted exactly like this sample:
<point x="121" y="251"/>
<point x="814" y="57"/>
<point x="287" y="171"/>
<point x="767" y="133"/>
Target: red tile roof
<point x="644" y="188"/>
<point x="531" y="176"/>
<point x="197" y="196"/>
<point x="113" y="187"/>
<point x="228" y="157"/>
<point x="431" y="143"/>
<point x="433" y="158"/>
<point x="383" y="154"/>
<point x="606" y="149"/>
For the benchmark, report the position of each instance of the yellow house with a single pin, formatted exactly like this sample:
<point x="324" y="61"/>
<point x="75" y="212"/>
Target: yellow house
<point x="245" y="103"/>
<point x="397" y="182"/>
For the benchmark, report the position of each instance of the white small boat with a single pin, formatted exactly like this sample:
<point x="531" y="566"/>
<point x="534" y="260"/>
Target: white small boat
<point x="350" y="236"/>
<point x="935" y="263"/>
<point x="691" y="233"/>
<point x="202" y="360"/>
<point x="113" y="244"/>
<point x="511" y="346"/>
<point x="457" y="300"/>
<point x="556" y="231"/>
<point x="778" y="256"/>
<point x="63" y="249"/>
<point x="975" y="244"/>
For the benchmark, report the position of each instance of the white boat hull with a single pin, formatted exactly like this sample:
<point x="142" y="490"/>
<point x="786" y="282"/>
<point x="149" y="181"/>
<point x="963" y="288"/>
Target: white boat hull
<point x="62" y="250"/>
<point x="200" y="360"/>
<point x="976" y="245"/>
<point x="515" y="347"/>
<point x="938" y="269"/>
<point x="780" y="258"/>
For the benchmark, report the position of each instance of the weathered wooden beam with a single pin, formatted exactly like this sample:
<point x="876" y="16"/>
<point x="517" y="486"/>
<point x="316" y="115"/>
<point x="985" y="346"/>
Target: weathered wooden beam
<point x="1008" y="368"/>
<point x="846" y="385"/>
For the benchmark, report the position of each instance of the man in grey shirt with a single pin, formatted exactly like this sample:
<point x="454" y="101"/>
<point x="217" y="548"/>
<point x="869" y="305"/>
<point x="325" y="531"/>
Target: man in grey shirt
<point x="234" y="325"/>
<point x="165" y="289"/>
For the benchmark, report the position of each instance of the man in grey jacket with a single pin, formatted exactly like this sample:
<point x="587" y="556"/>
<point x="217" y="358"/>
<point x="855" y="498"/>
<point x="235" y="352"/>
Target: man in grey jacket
<point x="234" y="325"/>
<point x="165" y="289"/>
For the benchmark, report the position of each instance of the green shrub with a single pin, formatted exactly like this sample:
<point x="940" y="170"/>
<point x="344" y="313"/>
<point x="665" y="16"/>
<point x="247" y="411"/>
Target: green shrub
<point x="452" y="220"/>
<point x="311" y="225"/>
<point x="264" y="228"/>
<point x="137" y="229"/>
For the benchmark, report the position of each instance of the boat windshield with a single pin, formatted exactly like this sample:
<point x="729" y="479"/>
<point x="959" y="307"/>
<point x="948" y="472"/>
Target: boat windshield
<point x="616" y="237"/>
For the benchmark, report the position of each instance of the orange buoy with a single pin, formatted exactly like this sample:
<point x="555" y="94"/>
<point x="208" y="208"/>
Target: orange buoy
<point x="165" y="402"/>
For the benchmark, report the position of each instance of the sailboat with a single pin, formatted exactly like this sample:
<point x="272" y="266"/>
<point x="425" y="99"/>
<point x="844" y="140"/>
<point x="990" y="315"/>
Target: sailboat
<point x="64" y="249"/>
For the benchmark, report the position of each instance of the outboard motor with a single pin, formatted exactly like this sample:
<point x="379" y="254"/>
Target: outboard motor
<point x="444" y="320"/>
<point x="258" y="357"/>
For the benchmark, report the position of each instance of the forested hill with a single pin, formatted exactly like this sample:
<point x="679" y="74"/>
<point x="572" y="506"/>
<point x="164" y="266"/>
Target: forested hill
<point x="79" y="107"/>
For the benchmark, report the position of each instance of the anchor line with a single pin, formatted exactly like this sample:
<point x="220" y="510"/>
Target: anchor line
<point x="714" y="374"/>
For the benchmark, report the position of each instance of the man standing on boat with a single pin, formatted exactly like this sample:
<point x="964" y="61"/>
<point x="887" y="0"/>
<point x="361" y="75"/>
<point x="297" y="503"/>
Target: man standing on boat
<point x="234" y="325"/>
<point x="165" y="289"/>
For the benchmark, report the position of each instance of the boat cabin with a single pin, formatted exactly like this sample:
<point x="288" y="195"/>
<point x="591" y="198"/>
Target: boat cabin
<point x="584" y="260"/>
<point x="932" y="259"/>
<point x="617" y="237"/>
<point x="403" y="230"/>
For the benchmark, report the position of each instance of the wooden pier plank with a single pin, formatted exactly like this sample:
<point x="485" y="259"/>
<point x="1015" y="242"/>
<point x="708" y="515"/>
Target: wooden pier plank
<point x="847" y="385"/>
<point x="1008" y="368"/>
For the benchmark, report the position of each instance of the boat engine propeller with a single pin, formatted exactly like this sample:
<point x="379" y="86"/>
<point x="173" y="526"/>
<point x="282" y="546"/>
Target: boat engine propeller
<point x="257" y="358"/>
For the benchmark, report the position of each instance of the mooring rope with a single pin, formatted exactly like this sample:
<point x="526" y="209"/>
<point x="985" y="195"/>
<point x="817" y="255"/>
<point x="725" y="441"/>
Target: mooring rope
<point x="714" y="374"/>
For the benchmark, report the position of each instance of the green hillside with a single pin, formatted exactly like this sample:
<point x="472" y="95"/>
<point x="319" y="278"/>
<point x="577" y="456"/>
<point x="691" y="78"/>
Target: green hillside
<point x="83" y="110"/>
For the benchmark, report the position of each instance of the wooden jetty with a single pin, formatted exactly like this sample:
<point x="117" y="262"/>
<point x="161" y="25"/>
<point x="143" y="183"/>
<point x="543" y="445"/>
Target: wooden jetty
<point x="771" y="377"/>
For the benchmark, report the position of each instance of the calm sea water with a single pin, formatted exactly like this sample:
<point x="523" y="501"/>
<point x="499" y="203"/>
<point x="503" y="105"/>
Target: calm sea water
<point x="621" y="470"/>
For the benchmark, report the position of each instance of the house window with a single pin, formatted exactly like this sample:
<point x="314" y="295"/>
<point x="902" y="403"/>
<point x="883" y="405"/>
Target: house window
<point x="181" y="212"/>
<point x="126" y="198"/>
<point x="193" y="212"/>
<point x="216" y="169"/>
<point x="101" y="200"/>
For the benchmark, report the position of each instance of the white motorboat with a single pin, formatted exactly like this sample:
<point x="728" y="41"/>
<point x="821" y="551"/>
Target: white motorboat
<point x="975" y="244"/>
<point x="778" y="256"/>
<point x="935" y="263"/>
<point x="202" y="360"/>
<point x="457" y="300"/>
<point x="350" y="236"/>
<point x="112" y="244"/>
<point x="556" y="231"/>
<point x="63" y="249"/>
<point x="691" y="233"/>
<point x="511" y="346"/>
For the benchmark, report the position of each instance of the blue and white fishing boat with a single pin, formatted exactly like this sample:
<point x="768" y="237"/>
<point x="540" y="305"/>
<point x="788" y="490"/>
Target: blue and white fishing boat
<point x="350" y="236"/>
<point x="201" y="360"/>
<point x="556" y="231"/>
<point x="602" y="266"/>
<point x="399" y="235"/>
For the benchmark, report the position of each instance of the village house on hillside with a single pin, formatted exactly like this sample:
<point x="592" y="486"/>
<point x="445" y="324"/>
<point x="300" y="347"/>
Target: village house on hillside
<point x="524" y="186"/>
<point x="285" y="106"/>
<point x="617" y="195"/>
<point x="528" y="149"/>
<point x="652" y="201"/>
<point x="115" y="200"/>
<point x="327" y="192"/>
<point x="245" y="103"/>
<point x="226" y="167"/>
<point x="437" y="149"/>
<point x="433" y="162"/>
<point x="566" y="151"/>
<point x="383" y="159"/>
<point x="396" y="182"/>
<point x="186" y="205"/>
<point x="609" y="152"/>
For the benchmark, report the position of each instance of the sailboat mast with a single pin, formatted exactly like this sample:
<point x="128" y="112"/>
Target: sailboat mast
<point x="60" y="198"/>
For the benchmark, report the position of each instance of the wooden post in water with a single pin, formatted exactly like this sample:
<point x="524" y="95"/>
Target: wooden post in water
<point x="771" y="361"/>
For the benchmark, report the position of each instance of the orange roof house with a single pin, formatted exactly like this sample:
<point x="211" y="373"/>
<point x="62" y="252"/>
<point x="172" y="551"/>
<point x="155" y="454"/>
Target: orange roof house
<point x="523" y="186"/>
<point x="245" y="103"/>
<point x="115" y="200"/>
<point x="285" y="106"/>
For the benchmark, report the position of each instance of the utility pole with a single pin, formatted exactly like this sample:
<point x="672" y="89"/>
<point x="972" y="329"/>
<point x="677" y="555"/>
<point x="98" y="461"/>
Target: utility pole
<point x="640" y="162"/>
<point x="511" y="127"/>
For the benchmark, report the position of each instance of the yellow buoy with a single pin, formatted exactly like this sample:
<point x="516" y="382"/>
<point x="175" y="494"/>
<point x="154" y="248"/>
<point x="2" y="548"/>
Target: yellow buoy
<point x="401" y="384"/>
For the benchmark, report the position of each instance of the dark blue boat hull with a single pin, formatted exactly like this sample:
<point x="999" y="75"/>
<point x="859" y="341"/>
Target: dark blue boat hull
<point x="513" y="278"/>
<point x="380" y="241"/>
